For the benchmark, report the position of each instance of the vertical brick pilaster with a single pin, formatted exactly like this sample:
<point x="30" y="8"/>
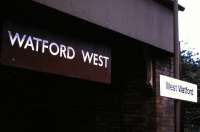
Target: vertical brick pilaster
<point x="165" y="107"/>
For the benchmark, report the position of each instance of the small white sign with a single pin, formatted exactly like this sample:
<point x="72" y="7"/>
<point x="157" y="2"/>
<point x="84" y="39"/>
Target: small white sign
<point x="177" y="89"/>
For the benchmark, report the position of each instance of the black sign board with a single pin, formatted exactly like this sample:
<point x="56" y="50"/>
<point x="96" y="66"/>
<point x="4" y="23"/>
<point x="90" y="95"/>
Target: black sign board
<point x="34" y="49"/>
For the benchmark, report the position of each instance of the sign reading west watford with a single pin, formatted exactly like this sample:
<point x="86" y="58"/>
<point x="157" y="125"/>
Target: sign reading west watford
<point x="177" y="89"/>
<point x="39" y="50"/>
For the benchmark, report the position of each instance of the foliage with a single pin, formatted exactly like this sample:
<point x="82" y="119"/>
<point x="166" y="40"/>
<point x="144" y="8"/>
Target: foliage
<point x="190" y="72"/>
<point x="190" y="67"/>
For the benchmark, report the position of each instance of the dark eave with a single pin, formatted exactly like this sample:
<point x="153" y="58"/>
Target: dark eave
<point x="169" y="4"/>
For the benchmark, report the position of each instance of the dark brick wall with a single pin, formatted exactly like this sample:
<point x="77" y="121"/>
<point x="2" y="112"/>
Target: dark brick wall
<point x="138" y="112"/>
<point x="142" y="108"/>
<point x="165" y="107"/>
<point x="137" y="99"/>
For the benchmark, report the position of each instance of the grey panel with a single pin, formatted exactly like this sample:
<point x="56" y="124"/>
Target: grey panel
<point x="145" y="20"/>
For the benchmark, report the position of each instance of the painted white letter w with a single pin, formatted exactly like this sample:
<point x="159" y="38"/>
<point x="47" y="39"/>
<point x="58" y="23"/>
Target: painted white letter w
<point x="16" y="37"/>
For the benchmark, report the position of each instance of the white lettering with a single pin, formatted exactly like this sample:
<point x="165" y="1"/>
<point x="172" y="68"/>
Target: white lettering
<point x="106" y="61"/>
<point x="62" y="51"/>
<point x="87" y="56"/>
<point x="44" y="46"/>
<point x="37" y="43"/>
<point x="16" y="37"/>
<point x="29" y="43"/>
<point x="95" y="59"/>
<point x="68" y="53"/>
<point x="100" y="61"/>
<point x="56" y="52"/>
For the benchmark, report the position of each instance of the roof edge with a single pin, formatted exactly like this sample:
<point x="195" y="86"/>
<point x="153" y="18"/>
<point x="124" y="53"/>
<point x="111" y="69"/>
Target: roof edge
<point x="169" y="4"/>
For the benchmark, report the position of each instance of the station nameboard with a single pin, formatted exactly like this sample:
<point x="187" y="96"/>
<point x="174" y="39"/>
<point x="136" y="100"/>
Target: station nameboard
<point x="34" y="49"/>
<point x="177" y="89"/>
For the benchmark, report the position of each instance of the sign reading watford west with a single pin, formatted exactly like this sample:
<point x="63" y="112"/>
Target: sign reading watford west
<point x="39" y="50"/>
<point x="177" y="89"/>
